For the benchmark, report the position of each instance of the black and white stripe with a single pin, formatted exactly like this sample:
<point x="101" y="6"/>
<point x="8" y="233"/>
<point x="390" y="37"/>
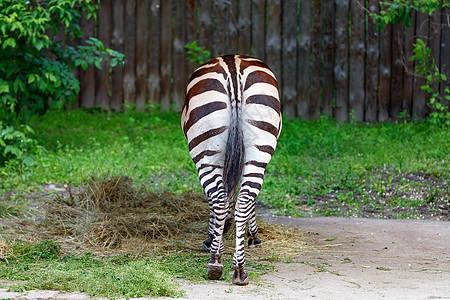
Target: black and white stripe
<point x="231" y="119"/>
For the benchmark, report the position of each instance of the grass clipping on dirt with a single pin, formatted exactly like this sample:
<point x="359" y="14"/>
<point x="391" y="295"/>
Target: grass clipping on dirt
<point x="111" y="214"/>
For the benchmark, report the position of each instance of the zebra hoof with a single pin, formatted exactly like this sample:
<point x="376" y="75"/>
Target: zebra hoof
<point x="240" y="276"/>
<point x="215" y="267"/>
<point x="254" y="242"/>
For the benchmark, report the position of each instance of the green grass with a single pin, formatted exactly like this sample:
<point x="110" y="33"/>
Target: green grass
<point x="41" y="266"/>
<point x="353" y="167"/>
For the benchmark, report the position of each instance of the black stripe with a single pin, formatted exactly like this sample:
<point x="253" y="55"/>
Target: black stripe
<point x="199" y="112"/>
<point x="253" y="185"/>
<point x="217" y="68"/>
<point x="205" y="173"/>
<point x="259" y="77"/>
<point x="257" y="163"/>
<point x="205" y="85"/>
<point x="252" y="63"/>
<point x="248" y="193"/>
<point x="266" y="149"/>
<point x="203" y="154"/>
<point x="206" y="135"/>
<point x="266" y="100"/>
<point x="216" y="188"/>
<point x="257" y="175"/>
<point x="211" y="180"/>
<point x="264" y="126"/>
<point x="202" y="166"/>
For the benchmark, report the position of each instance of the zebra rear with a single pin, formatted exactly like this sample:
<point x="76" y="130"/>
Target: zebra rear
<point x="231" y="119"/>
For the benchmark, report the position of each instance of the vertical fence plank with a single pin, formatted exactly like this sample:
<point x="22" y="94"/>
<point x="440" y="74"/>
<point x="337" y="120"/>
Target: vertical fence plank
<point x="328" y="57"/>
<point x="434" y="37"/>
<point x="316" y="60"/>
<point x="166" y="53"/>
<point x="129" y="78"/>
<point x="154" y="52"/>
<point x="397" y="71"/>
<point x="445" y="50"/>
<point x="419" y="100"/>
<point x="341" y="58"/>
<point x="117" y="43"/>
<point x="218" y="25"/>
<point x="205" y="8"/>
<point x="357" y="51"/>
<point x="244" y="26"/>
<point x="141" y="52"/>
<point x="385" y="73"/>
<point x="372" y="56"/>
<point x="289" y="55"/>
<point x="191" y="32"/>
<point x="178" y="55"/>
<point x="231" y="41"/>
<point x="104" y="35"/>
<point x="408" y="66"/>
<point x="258" y="28"/>
<point x="87" y="77"/>
<point x="273" y="38"/>
<point x="303" y="62"/>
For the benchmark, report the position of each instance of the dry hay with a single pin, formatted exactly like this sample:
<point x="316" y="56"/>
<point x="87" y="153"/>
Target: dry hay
<point x="108" y="212"/>
<point x="110" y="216"/>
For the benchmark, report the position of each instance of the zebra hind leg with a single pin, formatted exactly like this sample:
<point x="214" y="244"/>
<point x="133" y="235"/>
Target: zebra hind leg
<point x="253" y="240"/>
<point x="228" y="224"/>
<point x="215" y="265"/>
<point x="206" y="246"/>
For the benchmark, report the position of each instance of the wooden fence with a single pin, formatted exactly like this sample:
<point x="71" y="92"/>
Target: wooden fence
<point x="328" y="55"/>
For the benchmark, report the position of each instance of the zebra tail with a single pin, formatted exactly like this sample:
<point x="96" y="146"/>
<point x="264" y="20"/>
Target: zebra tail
<point x="234" y="157"/>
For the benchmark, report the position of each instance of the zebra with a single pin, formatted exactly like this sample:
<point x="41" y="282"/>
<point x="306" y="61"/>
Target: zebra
<point x="231" y="119"/>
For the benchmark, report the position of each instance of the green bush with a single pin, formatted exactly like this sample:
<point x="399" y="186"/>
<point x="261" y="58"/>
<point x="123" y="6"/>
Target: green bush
<point x="426" y="67"/>
<point x="36" y="68"/>
<point x="400" y="11"/>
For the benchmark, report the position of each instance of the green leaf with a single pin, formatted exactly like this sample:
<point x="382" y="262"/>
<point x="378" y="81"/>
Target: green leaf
<point x="13" y="150"/>
<point x="18" y="85"/>
<point x="31" y="78"/>
<point x="10" y="42"/>
<point x="28" y="160"/>
<point x="4" y="86"/>
<point x="113" y="62"/>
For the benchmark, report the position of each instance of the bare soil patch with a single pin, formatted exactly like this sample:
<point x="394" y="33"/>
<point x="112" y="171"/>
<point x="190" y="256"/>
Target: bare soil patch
<point x="387" y="194"/>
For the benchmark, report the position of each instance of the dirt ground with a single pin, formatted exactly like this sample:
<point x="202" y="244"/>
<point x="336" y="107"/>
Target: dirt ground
<point x="352" y="259"/>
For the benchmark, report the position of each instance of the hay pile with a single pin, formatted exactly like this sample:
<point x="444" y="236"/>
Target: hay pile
<point x="108" y="212"/>
<point x="109" y="216"/>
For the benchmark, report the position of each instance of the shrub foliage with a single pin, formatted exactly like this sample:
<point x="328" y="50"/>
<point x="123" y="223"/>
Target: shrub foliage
<point x="36" y="68"/>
